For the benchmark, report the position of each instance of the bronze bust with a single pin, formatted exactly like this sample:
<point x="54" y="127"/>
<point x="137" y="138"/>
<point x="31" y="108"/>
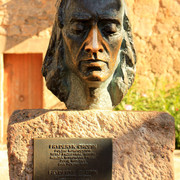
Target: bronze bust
<point x="90" y="61"/>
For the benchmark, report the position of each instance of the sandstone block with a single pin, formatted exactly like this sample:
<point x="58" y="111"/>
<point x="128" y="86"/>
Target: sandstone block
<point x="143" y="142"/>
<point x="14" y="31"/>
<point x="177" y="65"/>
<point x="28" y="30"/>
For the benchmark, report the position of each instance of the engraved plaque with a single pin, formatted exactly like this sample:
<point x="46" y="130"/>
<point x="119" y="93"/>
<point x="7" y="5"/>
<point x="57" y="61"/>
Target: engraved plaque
<point x="72" y="159"/>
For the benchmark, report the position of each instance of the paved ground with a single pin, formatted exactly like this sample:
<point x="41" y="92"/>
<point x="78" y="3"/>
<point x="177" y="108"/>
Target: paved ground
<point x="5" y="176"/>
<point x="177" y="164"/>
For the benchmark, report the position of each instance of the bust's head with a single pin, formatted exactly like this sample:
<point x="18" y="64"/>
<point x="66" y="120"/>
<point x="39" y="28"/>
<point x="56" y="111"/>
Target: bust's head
<point x="91" y="45"/>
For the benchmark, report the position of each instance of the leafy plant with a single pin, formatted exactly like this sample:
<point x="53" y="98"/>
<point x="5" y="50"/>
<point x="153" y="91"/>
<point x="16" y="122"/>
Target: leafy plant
<point x="156" y="99"/>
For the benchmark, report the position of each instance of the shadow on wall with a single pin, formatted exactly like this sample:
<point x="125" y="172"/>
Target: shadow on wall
<point x="25" y="19"/>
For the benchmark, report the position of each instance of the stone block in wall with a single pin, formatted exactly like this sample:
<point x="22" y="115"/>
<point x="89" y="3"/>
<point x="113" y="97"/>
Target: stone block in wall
<point x="14" y="31"/>
<point x="143" y="142"/>
<point x="177" y="65"/>
<point x="28" y="30"/>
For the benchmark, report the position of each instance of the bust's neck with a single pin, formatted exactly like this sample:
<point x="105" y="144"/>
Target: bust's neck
<point x="85" y="96"/>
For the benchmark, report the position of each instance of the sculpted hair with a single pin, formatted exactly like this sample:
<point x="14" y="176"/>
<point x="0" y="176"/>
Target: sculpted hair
<point x="56" y="73"/>
<point x="124" y="75"/>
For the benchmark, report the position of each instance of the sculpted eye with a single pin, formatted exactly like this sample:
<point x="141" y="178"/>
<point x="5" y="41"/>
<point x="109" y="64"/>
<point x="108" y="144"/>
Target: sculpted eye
<point x="77" y="28"/>
<point x="109" y="29"/>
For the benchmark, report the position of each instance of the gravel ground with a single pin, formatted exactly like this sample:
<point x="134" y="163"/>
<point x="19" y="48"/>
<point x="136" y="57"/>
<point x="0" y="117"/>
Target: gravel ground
<point x="4" y="175"/>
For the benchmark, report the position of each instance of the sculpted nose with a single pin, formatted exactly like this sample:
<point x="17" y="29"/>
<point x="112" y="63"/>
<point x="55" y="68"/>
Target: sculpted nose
<point x="93" y="43"/>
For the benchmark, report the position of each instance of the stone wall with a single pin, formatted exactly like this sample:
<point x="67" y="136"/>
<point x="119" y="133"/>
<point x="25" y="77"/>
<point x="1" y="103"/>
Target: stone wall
<point x="156" y="25"/>
<point x="21" y="20"/>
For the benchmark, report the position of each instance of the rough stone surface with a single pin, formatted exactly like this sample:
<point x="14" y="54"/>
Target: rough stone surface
<point x="156" y="25"/>
<point x="143" y="142"/>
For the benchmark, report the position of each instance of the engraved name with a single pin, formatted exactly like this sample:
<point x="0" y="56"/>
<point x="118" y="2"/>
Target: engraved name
<point x="73" y="146"/>
<point x="90" y="172"/>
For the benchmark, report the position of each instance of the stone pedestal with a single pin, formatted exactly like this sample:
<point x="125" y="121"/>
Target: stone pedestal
<point x="143" y="142"/>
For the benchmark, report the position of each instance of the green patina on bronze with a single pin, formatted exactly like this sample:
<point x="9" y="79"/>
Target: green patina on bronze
<point x="90" y="62"/>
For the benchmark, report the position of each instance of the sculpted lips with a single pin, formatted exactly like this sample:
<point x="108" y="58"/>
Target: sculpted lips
<point x="90" y="65"/>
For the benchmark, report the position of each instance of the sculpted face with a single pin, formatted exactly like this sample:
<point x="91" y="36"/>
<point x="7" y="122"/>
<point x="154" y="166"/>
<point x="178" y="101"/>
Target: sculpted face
<point x="92" y="35"/>
<point x="91" y="61"/>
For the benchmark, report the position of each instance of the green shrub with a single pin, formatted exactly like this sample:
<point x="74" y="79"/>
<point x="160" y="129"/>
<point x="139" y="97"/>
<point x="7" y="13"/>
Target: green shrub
<point x="161" y="99"/>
